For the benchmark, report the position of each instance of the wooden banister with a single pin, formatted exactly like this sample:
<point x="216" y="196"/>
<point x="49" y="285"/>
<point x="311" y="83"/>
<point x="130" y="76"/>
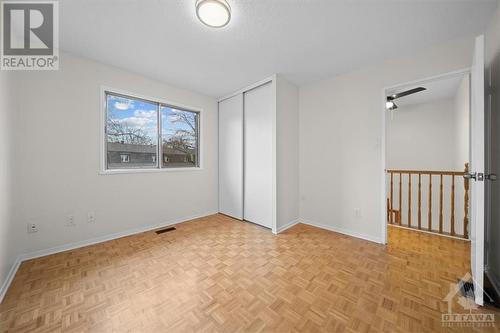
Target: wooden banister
<point x="426" y="172"/>
<point x="394" y="215"/>
<point x="466" y="200"/>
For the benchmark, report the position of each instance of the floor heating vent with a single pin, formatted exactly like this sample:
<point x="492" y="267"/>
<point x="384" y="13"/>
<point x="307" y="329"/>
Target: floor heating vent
<point x="161" y="231"/>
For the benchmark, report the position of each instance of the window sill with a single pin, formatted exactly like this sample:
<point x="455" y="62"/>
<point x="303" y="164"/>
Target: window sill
<point x="134" y="171"/>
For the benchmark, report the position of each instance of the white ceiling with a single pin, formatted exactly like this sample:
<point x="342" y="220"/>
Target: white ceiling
<point x="441" y="89"/>
<point x="305" y="40"/>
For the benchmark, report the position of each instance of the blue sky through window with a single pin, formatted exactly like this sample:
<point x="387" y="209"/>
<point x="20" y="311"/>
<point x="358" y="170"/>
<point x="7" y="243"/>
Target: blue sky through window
<point x="131" y="120"/>
<point x="135" y="121"/>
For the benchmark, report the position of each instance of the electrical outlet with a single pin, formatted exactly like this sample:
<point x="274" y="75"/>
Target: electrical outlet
<point x="357" y="212"/>
<point x="32" y="228"/>
<point x="91" y="217"/>
<point x="70" y="221"/>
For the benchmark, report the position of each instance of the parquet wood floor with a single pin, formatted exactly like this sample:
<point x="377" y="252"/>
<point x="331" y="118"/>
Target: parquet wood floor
<point x="216" y="274"/>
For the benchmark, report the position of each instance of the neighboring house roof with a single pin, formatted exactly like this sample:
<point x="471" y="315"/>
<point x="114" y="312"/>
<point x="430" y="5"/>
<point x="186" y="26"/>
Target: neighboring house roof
<point x="131" y="148"/>
<point x="173" y="151"/>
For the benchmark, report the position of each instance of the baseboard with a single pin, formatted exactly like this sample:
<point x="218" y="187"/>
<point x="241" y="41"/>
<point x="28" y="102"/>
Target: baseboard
<point x="9" y="279"/>
<point x="343" y="231"/>
<point x="88" y="242"/>
<point x="428" y="232"/>
<point x="287" y="226"/>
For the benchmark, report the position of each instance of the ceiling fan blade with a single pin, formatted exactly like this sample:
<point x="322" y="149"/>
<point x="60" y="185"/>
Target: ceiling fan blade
<point x="406" y="93"/>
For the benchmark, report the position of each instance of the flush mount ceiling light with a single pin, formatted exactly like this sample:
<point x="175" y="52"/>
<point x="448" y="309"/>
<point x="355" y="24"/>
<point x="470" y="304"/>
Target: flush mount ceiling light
<point x="213" y="13"/>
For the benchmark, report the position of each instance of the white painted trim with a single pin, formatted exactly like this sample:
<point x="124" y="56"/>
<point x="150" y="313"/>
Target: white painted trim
<point x="383" y="216"/>
<point x="157" y="170"/>
<point x="274" y="89"/>
<point x="441" y="76"/>
<point x="250" y="87"/>
<point x="477" y="160"/>
<point x="286" y="226"/>
<point x="344" y="231"/>
<point x="10" y="277"/>
<point x="428" y="232"/>
<point x="88" y="242"/>
<point x="152" y="99"/>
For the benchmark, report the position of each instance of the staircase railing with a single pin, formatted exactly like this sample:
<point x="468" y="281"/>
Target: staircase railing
<point x="413" y="194"/>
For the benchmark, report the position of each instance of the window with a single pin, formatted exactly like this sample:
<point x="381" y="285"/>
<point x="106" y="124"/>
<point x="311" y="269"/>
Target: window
<point x="179" y="137"/>
<point x="138" y="131"/>
<point x="125" y="158"/>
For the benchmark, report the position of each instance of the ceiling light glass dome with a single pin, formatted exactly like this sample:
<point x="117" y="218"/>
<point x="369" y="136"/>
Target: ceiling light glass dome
<point x="213" y="13"/>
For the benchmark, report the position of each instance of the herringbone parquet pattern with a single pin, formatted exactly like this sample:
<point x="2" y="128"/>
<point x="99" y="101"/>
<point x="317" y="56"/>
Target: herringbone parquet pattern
<point x="216" y="274"/>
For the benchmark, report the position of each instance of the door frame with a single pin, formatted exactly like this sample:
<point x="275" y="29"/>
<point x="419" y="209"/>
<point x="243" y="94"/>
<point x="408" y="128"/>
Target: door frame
<point x="383" y="202"/>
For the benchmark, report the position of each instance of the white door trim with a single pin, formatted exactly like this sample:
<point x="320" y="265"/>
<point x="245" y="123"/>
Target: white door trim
<point x="476" y="224"/>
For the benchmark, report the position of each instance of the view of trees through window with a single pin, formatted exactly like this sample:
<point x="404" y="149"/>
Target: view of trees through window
<point x="132" y="130"/>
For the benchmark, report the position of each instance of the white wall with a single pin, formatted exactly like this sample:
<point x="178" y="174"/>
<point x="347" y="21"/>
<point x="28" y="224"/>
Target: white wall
<point x="492" y="41"/>
<point x="56" y="143"/>
<point x="287" y="153"/>
<point x="461" y="104"/>
<point x="423" y="137"/>
<point x="7" y="254"/>
<point x="341" y="138"/>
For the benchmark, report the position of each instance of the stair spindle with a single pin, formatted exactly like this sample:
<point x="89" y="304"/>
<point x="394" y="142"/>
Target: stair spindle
<point x="429" y="215"/>
<point x="452" y="218"/>
<point x="392" y="193"/>
<point x="419" y="201"/>
<point x="400" y="198"/>
<point x="441" y="204"/>
<point x="409" y="199"/>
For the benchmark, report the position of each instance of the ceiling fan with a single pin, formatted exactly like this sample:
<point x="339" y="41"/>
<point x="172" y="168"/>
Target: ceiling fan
<point x="390" y="105"/>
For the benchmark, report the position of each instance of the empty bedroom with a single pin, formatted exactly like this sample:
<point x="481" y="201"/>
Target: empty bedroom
<point x="249" y="166"/>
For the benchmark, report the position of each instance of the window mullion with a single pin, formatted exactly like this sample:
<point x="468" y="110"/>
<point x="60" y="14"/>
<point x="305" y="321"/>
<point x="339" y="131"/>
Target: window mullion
<point x="159" y="158"/>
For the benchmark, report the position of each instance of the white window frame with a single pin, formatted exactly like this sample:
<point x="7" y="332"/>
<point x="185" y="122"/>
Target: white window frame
<point x="103" y="170"/>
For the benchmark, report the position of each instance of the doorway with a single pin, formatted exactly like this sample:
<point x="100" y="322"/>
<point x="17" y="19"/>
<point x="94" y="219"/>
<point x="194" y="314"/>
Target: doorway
<point x="427" y="153"/>
<point x="474" y="176"/>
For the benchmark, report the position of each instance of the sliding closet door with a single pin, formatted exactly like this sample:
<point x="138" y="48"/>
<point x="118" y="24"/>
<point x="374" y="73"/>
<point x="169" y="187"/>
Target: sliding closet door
<point x="258" y="170"/>
<point x="231" y="156"/>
